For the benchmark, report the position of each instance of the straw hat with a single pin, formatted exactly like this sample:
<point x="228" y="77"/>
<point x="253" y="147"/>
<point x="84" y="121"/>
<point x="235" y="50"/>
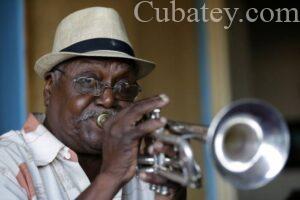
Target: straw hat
<point x="95" y="31"/>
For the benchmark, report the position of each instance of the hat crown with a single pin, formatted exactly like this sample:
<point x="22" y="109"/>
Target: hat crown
<point x="89" y="23"/>
<point x="91" y="32"/>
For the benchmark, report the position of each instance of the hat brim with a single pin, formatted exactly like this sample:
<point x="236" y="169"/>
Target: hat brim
<point x="48" y="61"/>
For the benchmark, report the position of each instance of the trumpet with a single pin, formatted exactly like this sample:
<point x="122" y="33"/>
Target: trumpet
<point x="248" y="141"/>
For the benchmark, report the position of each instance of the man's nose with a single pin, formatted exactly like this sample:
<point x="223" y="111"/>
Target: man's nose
<point x="106" y="99"/>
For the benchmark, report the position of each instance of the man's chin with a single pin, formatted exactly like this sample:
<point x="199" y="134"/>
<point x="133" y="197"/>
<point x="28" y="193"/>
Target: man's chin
<point x="90" y="139"/>
<point x="88" y="146"/>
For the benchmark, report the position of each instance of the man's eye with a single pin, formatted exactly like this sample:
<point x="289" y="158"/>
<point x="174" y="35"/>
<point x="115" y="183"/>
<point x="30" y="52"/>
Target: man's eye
<point x="126" y="91"/>
<point x="122" y="85"/>
<point x="87" y="82"/>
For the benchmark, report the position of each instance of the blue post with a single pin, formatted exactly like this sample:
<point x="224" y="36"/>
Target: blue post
<point x="206" y="99"/>
<point x="12" y="65"/>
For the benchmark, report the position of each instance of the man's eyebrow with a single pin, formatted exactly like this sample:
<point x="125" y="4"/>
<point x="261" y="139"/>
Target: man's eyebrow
<point x="127" y="71"/>
<point x="124" y="74"/>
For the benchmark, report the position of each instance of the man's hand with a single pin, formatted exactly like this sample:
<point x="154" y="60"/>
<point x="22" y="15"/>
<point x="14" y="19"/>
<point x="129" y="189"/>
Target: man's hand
<point x="122" y="135"/>
<point x="176" y="191"/>
<point x="121" y="146"/>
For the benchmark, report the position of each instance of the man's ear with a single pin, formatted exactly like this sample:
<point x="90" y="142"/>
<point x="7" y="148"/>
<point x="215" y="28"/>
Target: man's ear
<point x="48" y="87"/>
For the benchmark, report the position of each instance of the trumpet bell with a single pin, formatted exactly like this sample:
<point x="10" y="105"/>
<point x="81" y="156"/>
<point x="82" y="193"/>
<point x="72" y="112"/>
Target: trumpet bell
<point x="249" y="142"/>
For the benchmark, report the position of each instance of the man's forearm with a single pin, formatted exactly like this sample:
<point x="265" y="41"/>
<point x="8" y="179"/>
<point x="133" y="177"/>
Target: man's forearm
<point x="103" y="188"/>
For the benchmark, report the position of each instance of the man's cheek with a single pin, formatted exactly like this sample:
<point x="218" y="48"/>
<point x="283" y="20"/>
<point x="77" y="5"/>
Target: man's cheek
<point x="78" y="104"/>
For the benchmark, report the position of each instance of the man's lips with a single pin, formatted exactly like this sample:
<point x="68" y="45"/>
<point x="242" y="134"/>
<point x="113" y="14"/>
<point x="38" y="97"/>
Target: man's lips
<point x="91" y="117"/>
<point x="94" y="123"/>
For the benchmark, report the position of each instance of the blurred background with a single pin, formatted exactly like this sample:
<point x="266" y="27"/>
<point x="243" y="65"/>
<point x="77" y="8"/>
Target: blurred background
<point x="201" y="66"/>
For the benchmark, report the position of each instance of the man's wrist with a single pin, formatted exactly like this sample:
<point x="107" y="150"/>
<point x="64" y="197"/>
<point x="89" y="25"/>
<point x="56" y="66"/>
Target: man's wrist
<point x="105" y="180"/>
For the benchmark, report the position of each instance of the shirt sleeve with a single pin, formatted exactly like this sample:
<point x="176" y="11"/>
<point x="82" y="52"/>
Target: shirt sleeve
<point x="15" y="177"/>
<point x="10" y="188"/>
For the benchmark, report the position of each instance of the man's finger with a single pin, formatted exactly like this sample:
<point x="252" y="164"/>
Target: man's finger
<point x="148" y="127"/>
<point x="138" y="109"/>
<point x="152" y="125"/>
<point x="159" y="147"/>
<point x="153" y="178"/>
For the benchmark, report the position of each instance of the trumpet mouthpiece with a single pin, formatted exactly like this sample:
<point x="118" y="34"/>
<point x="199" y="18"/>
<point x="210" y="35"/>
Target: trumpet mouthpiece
<point x="101" y="119"/>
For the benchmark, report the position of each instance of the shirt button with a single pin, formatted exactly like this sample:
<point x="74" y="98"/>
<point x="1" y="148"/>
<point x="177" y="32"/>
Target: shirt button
<point x="66" y="153"/>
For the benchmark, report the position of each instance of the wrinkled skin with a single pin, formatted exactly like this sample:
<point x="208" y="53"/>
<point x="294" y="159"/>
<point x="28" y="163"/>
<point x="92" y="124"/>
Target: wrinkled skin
<point x="108" y="167"/>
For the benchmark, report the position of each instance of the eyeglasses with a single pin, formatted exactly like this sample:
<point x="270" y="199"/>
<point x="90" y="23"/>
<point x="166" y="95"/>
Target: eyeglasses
<point x="122" y="90"/>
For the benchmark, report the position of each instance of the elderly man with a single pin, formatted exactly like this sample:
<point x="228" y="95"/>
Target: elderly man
<point x="65" y="155"/>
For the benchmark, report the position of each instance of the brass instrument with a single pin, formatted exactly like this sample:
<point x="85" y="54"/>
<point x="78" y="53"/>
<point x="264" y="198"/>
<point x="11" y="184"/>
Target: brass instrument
<point x="248" y="141"/>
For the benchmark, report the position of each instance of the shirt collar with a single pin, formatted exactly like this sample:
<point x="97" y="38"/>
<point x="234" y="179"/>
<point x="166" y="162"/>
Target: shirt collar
<point x="44" y="146"/>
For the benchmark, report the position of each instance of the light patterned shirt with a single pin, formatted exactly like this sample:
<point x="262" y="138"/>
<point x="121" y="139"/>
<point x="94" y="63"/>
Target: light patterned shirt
<point x="36" y="165"/>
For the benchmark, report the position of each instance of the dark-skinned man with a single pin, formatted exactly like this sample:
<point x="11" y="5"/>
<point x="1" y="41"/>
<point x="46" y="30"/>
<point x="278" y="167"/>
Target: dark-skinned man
<point x="64" y="154"/>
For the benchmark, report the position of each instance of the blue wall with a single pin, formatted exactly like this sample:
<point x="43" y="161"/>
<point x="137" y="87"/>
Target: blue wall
<point x="205" y="104"/>
<point x="12" y="65"/>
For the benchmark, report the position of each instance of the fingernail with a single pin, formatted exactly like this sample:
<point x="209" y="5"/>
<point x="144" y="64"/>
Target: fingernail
<point x="164" y="98"/>
<point x="143" y="175"/>
<point x="150" y="149"/>
<point x="163" y="120"/>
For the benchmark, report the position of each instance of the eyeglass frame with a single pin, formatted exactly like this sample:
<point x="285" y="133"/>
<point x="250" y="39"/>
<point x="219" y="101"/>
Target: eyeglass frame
<point x="106" y="85"/>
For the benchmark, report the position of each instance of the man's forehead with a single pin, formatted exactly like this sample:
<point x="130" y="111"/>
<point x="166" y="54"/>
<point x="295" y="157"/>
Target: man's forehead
<point x="98" y="63"/>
